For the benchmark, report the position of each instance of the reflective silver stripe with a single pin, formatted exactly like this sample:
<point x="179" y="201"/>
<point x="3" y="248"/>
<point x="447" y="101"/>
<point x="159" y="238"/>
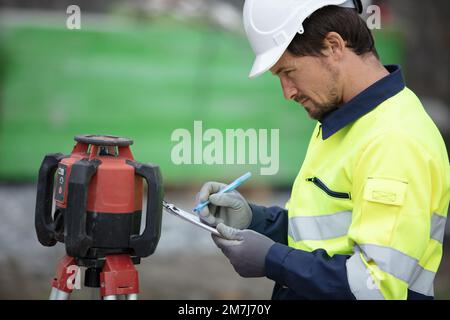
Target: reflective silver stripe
<point x="437" y="227"/>
<point x="360" y="281"/>
<point x="336" y="225"/>
<point x="320" y="227"/>
<point x="391" y="261"/>
<point x="401" y="266"/>
<point x="421" y="281"/>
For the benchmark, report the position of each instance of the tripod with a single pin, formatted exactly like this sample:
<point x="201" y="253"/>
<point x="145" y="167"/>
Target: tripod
<point x="118" y="277"/>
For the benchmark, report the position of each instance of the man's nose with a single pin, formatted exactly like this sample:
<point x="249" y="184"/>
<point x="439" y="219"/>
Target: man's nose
<point x="289" y="91"/>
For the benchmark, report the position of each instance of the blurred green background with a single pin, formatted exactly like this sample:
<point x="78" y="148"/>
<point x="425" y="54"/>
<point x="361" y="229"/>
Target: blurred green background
<point x="143" y="81"/>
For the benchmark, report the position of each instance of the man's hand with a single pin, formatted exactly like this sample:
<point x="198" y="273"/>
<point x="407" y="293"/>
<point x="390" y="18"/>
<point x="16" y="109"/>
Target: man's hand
<point x="229" y="208"/>
<point x="246" y="250"/>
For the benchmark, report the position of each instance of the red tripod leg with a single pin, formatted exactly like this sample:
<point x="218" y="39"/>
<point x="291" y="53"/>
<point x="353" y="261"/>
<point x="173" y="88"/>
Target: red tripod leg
<point x="64" y="281"/>
<point x="119" y="277"/>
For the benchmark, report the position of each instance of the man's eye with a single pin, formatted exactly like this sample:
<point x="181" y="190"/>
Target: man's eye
<point x="288" y="72"/>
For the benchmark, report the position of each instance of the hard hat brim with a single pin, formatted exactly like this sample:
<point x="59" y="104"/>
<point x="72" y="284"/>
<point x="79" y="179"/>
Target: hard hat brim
<point x="265" y="61"/>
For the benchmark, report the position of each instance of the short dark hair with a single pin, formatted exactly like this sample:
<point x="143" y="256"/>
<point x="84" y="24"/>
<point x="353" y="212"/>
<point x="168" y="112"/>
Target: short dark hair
<point x="345" y="21"/>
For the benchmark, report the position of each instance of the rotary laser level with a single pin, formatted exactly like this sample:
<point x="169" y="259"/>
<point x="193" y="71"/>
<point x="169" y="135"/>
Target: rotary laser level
<point x="97" y="193"/>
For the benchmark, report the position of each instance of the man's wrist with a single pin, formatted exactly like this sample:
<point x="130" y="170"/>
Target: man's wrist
<point x="274" y="262"/>
<point x="258" y="216"/>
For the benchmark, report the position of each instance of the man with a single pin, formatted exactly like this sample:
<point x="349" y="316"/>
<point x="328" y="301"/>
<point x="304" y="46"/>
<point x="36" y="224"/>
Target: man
<point x="368" y="209"/>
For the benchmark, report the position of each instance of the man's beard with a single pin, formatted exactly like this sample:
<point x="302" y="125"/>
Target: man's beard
<point x="319" y="110"/>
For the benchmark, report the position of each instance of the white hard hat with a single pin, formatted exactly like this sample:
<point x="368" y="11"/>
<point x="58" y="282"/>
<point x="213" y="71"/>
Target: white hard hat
<point x="272" y="24"/>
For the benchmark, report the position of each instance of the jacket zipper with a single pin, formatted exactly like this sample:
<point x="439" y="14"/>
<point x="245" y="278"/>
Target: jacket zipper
<point x="331" y="193"/>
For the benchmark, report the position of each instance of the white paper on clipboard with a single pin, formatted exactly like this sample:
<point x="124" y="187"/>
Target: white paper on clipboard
<point x="189" y="217"/>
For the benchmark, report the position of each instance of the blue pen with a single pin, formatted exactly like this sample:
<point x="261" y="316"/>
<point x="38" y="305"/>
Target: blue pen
<point x="236" y="183"/>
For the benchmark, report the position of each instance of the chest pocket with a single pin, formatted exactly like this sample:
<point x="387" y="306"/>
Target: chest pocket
<point x="335" y="194"/>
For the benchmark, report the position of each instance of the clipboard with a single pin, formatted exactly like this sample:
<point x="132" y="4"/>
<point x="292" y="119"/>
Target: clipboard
<point x="194" y="219"/>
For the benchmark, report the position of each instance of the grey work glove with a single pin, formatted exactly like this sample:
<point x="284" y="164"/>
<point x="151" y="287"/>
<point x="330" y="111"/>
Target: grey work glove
<point x="229" y="208"/>
<point x="246" y="250"/>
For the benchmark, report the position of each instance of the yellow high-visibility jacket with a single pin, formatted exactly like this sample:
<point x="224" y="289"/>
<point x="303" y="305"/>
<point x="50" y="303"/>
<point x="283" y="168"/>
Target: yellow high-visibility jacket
<point x="368" y="208"/>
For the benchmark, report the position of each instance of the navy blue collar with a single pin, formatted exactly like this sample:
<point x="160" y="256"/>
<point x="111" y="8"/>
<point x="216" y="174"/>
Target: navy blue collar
<point x="364" y="102"/>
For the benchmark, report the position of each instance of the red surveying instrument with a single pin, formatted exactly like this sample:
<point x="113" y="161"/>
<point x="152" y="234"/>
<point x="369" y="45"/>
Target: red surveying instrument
<point x="98" y="208"/>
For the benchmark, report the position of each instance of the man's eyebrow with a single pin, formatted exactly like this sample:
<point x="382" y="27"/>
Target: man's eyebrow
<point x="279" y="70"/>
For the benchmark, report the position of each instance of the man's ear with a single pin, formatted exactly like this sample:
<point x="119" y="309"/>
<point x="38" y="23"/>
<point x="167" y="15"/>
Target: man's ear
<point x="334" y="45"/>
